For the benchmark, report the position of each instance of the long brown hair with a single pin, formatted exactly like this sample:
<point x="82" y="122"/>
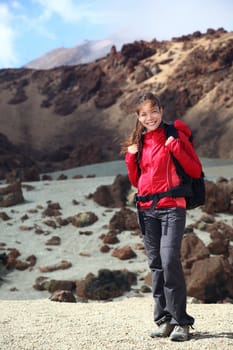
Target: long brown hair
<point x="136" y="136"/>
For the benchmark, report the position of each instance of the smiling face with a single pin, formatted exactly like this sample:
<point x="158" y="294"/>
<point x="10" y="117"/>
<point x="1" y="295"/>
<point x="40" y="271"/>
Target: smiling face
<point x="150" y="115"/>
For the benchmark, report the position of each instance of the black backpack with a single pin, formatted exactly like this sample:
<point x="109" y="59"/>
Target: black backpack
<point x="193" y="189"/>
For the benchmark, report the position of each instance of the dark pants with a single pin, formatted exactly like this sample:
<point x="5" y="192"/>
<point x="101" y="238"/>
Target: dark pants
<point x="162" y="234"/>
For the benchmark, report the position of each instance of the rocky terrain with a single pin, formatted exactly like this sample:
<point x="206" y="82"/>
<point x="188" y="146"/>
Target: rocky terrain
<point x="79" y="239"/>
<point x="75" y="115"/>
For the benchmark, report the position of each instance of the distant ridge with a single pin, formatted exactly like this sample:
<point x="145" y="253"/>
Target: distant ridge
<point x="87" y="52"/>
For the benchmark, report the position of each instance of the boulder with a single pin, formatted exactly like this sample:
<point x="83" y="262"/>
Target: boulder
<point x="63" y="296"/>
<point x="192" y="249"/>
<point x="124" y="253"/>
<point x="219" y="197"/>
<point x="60" y="266"/>
<point x="107" y="285"/>
<point x="115" y="195"/>
<point x="124" y="219"/>
<point x="53" y="209"/>
<point x="211" y="279"/>
<point x="83" y="219"/>
<point x="11" y="195"/>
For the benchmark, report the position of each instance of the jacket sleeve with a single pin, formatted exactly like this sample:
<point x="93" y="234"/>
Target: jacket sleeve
<point x="184" y="151"/>
<point x="132" y="168"/>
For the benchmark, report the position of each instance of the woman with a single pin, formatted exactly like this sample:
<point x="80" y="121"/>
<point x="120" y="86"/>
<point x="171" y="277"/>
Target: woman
<point x="151" y="170"/>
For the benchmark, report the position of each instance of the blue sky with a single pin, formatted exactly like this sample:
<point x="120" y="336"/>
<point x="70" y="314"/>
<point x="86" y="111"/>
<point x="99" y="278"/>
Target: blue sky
<point x="30" y="28"/>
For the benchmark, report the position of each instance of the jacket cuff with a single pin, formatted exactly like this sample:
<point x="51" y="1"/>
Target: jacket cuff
<point x="130" y="157"/>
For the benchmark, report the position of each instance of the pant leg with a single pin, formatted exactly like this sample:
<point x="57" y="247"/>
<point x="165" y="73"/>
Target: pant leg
<point x="163" y="234"/>
<point x="152" y="234"/>
<point x="173" y="224"/>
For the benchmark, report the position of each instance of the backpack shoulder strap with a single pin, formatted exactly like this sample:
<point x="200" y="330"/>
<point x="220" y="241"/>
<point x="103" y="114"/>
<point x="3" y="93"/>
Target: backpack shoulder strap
<point x="170" y="130"/>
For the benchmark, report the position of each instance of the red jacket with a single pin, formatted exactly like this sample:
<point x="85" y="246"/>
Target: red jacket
<point x="157" y="170"/>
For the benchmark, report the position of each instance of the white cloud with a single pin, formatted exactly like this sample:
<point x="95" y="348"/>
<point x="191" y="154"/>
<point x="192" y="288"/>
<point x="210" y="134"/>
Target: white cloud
<point x="7" y="38"/>
<point x="101" y="11"/>
<point x="15" y="4"/>
<point x="66" y="9"/>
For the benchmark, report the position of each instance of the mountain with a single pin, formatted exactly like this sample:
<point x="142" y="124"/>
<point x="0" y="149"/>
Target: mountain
<point x="86" y="52"/>
<point x="77" y="115"/>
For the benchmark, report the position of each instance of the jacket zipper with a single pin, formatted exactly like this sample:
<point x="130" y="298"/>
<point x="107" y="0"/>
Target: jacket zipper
<point x="168" y="177"/>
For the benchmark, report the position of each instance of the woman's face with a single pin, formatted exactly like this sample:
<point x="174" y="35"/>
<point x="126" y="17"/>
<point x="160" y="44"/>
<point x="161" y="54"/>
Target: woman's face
<point x="150" y="115"/>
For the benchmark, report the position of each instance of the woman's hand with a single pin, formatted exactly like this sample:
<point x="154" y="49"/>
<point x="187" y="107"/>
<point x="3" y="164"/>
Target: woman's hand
<point x="133" y="148"/>
<point x="169" y="140"/>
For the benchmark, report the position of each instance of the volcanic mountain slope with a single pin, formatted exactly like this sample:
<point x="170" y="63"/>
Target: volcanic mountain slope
<point x="86" y="52"/>
<point x="72" y="116"/>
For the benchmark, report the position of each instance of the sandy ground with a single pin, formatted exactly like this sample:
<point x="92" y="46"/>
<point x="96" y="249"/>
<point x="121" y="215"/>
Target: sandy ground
<point x="29" y="320"/>
<point x="120" y="325"/>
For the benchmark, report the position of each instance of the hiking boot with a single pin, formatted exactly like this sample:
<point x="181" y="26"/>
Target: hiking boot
<point x="164" y="330"/>
<point x="180" y="333"/>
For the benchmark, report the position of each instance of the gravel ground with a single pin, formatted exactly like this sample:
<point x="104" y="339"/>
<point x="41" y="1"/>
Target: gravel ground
<point x="123" y="324"/>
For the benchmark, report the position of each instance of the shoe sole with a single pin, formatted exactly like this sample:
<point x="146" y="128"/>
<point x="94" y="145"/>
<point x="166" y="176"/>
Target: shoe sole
<point x="179" y="339"/>
<point x="161" y="335"/>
